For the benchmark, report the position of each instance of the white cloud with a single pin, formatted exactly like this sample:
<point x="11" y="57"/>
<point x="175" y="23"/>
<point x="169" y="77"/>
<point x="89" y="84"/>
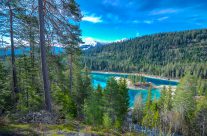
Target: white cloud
<point x="92" y="19"/>
<point x="136" y="21"/>
<point x="163" y="11"/>
<point x="162" y="18"/>
<point x="148" y="21"/>
<point x="137" y="34"/>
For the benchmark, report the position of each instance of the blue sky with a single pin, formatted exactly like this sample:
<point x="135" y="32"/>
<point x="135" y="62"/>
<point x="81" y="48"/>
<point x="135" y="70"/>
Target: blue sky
<point x="112" y="20"/>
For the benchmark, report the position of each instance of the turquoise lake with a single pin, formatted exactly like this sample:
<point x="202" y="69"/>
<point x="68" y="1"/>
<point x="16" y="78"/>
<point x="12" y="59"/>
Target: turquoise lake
<point x="99" y="78"/>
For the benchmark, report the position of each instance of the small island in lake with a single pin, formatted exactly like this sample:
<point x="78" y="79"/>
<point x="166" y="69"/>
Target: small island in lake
<point x="143" y="84"/>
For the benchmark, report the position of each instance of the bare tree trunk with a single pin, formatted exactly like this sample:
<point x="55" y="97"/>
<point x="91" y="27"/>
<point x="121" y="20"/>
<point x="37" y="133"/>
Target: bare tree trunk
<point x="203" y="133"/>
<point x="43" y="58"/>
<point x="31" y="43"/>
<point x="71" y="72"/>
<point x="14" y="73"/>
<point x="4" y="49"/>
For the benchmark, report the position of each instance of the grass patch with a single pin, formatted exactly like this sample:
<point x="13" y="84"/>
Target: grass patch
<point x="35" y="129"/>
<point x="17" y="129"/>
<point x="73" y="127"/>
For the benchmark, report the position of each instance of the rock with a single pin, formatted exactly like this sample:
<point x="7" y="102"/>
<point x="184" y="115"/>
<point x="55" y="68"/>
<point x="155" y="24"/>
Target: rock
<point x="39" y="117"/>
<point x="75" y="134"/>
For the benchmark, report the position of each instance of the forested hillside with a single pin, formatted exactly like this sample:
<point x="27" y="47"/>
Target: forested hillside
<point x="164" y="54"/>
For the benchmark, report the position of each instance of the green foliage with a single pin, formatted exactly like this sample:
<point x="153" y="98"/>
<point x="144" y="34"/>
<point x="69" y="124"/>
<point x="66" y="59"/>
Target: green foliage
<point x="29" y="84"/>
<point x="118" y="124"/>
<point x="5" y="92"/>
<point x="202" y="87"/>
<point x="110" y="98"/>
<point x="123" y="99"/>
<point x="151" y="113"/>
<point x="116" y="99"/>
<point x="165" y="101"/>
<point x="149" y="100"/>
<point x="93" y="107"/>
<point x="107" y="121"/>
<point x="135" y="78"/>
<point x="200" y="119"/>
<point x="152" y="54"/>
<point x="64" y="104"/>
<point x="81" y="91"/>
<point x="151" y="117"/>
<point x="184" y="101"/>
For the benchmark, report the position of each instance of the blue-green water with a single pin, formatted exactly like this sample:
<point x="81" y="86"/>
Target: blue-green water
<point x="98" y="78"/>
<point x="26" y="50"/>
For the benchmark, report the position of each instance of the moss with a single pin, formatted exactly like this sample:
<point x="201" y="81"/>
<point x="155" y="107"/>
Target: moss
<point x="35" y="129"/>
<point x="57" y="130"/>
<point x="134" y="134"/>
<point x="65" y="128"/>
<point x="20" y="129"/>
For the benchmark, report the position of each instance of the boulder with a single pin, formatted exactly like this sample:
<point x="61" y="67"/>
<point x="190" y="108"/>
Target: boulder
<point x="39" y="117"/>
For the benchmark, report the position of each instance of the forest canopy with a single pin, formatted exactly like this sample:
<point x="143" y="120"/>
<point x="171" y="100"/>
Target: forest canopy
<point x="164" y="54"/>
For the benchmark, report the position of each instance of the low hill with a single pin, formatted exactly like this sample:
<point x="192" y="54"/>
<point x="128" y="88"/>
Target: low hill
<point x="164" y="54"/>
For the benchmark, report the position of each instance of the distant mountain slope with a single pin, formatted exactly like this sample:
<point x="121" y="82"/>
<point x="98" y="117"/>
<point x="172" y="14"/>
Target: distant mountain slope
<point x="164" y="54"/>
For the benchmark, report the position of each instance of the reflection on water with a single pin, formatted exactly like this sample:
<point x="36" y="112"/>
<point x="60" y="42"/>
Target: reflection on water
<point x="101" y="79"/>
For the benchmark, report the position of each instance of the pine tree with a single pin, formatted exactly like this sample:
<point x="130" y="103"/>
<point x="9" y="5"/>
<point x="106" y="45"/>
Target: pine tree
<point x="5" y="94"/>
<point x="30" y="96"/>
<point x="93" y="107"/>
<point x="9" y="9"/>
<point x="81" y="91"/>
<point x="162" y="98"/>
<point x="200" y="119"/>
<point x="184" y="102"/>
<point x="110" y="100"/>
<point x="63" y="103"/>
<point x="151" y="114"/>
<point x="107" y="121"/>
<point x="45" y="77"/>
<point x="123" y="100"/>
<point x="116" y="101"/>
<point x="149" y="100"/>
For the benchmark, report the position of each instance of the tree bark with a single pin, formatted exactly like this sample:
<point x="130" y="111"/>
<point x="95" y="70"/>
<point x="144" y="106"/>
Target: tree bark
<point x="43" y="58"/>
<point x="71" y="73"/>
<point x="31" y="43"/>
<point x="14" y="73"/>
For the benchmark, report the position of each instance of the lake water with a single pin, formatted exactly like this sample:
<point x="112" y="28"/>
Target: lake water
<point x="99" y="78"/>
<point x="26" y="50"/>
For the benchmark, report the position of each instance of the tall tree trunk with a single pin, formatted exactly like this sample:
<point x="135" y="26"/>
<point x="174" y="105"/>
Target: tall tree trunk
<point x="31" y="44"/>
<point x="43" y="58"/>
<point x="71" y="73"/>
<point x="14" y="73"/>
<point x="2" y="45"/>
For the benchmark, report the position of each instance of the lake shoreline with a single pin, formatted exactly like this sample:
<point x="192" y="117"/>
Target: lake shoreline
<point x="138" y="74"/>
